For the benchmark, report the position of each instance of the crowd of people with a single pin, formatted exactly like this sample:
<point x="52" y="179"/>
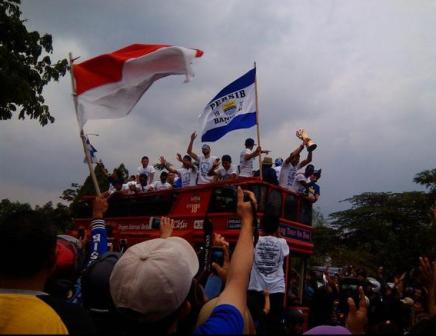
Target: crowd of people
<point x="291" y="173"/>
<point x="59" y="284"/>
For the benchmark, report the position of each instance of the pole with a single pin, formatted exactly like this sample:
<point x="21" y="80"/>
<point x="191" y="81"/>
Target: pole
<point x="82" y="134"/>
<point x="257" y="122"/>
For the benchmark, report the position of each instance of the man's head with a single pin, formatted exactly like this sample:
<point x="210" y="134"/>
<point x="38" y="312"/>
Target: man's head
<point x="144" y="161"/>
<point x="153" y="278"/>
<point x="226" y="161"/>
<point x="27" y="246"/>
<point x="270" y="224"/>
<point x="187" y="161"/>
<point x="171" y="177"/>
<point x="278" y="162"/>
<point x="316" y="175"/>
<point x="163" y="176"/>
<point x="249" y="143"/>
<point x="309" y="170"/>
<point x="205" y="149"/>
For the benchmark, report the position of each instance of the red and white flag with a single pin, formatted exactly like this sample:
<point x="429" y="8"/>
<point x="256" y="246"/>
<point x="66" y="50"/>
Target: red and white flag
<point x="109" y="86"/>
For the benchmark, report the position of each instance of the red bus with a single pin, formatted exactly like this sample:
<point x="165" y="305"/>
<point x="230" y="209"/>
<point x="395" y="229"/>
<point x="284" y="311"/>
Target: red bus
<point x="135" y="218"/>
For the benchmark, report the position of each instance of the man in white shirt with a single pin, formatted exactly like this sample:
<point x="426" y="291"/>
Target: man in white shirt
<point x="205" y="161"/>
<point x="302" y="179"/>
<point x="278" y="166"/>
<point x="188" y="172"/>
<point x="226" y="172"/>
<point x="145" y="169"/>
<point x="160" y="185"/>
<point x="290" y="167"/>
<point x="247" y="157"/>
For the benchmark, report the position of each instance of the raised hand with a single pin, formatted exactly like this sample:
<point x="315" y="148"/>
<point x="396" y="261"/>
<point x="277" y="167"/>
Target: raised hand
<point x="223" y="270"/>
<point x="357" y="318"/>
<point x="166" y="227"/>
<point x="193" y="136"/>
<point x="244" y="209"/>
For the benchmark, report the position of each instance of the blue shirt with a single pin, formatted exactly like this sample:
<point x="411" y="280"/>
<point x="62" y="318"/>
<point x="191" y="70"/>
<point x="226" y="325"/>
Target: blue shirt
<point x="224" y="319"/>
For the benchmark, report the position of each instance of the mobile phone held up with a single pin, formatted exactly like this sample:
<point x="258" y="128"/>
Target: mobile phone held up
<point x="217" y="255"/>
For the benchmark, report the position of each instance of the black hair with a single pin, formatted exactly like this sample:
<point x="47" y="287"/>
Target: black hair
<point x="270" y="223"/>
<point x="227" y="158"/>
<point x="187" y="157"/>
<point x="27" y="244"/>
<point x="144" y="157"/>
<point x="164" y="174"/>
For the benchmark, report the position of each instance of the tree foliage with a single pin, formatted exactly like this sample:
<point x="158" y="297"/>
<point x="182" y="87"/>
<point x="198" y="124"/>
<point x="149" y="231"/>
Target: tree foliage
<point x="25" y="67"/>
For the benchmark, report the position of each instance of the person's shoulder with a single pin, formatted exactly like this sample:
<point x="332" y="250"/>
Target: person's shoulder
<point x="74" y="316"/>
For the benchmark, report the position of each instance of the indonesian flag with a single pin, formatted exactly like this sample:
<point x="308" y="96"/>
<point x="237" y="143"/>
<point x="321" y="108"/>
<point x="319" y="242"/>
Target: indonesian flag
<point x="109" y="86"/>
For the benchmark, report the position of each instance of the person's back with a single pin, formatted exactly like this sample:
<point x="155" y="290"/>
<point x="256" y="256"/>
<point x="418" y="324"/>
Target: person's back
<point x="27" y="258"/>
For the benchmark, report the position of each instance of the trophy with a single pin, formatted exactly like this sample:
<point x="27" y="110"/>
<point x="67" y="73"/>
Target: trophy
<point x="302" y="134"/>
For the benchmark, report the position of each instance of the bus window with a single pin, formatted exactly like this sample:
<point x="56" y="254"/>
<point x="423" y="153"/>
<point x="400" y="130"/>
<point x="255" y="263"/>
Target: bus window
<point x="118" y="206"/>
<point x="306" y="212"/>
<point x="153" y="205"/>
<point x="223" y="200"/>
<point x="291" y="207"/>
<point x="274" y="203"/>
<point x="296" y="274"/>
<point x="260" y="193"/>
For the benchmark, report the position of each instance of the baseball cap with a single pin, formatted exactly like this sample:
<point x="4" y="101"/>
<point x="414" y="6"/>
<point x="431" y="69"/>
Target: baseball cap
<point x="328" y="330"/>
<point x="95" y="282"/>
<point x="154" y="277"/>
<point x="249" y="142"/>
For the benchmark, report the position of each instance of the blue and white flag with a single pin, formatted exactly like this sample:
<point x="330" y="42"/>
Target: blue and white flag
<point x="91" y="150"/>
<point x="234" y="107"/>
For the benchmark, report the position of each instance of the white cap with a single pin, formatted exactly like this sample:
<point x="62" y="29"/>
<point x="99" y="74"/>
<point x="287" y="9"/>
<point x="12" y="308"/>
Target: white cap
<point x="154" y="277"/>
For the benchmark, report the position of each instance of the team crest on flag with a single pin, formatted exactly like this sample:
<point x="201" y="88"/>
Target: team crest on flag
<point x="234" y="107"/>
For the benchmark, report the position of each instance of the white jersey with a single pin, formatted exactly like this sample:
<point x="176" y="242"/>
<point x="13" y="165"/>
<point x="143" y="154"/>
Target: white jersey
<point x="287" y="175"/>
<point x="188" y="176"/>
<point x="158" y="185"/>
<point x="246" y="166"/>
<point x="298" y="186"/>
<point x="204" y="165"/>
<point x="225" y="174"/>
<point x="146" y="171"/>
<point x="267" y="271"/>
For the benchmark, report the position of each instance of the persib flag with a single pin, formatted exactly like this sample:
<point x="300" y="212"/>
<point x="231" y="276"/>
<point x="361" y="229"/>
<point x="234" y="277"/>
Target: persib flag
<point x="234" y="107"/>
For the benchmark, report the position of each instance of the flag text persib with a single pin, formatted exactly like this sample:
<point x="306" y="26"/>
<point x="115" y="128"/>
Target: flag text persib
<point x="234" y="107"/>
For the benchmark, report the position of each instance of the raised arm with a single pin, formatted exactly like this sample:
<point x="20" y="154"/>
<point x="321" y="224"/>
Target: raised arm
<point x="235" y="291"/>
<point x="307" y="160"/>
<point x="167" y="166"/>
<point x="296" y="152"/>
<point x="189" y="150"/>
<point x="255" y="153"/>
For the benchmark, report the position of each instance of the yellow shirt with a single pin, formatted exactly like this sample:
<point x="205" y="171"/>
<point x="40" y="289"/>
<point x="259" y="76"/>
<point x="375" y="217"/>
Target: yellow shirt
<point x="27" y="314"/>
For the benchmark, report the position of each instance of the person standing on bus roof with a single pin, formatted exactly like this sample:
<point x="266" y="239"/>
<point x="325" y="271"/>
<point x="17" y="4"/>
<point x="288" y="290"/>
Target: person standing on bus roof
<point x="247" y="157"/>
<point x="187" y="173"/>
<point x="205" y="161"/>
<point x="145" y="169"/>
<point x="226" y="172"/>
<point x="290" y="167"/>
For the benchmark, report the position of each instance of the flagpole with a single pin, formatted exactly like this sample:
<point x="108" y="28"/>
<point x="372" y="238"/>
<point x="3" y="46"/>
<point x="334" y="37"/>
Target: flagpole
<point x="257" y="122"/>
<point x="82" y="134"/>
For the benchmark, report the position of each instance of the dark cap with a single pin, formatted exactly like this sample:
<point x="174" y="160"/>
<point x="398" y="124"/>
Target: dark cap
<point x="249" y="142"/>
<point x="95" y="282"/>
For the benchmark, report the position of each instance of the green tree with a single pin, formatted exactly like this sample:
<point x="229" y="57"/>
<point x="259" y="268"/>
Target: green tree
<point x="390" y="229"/>
<point x="25" y="67"/>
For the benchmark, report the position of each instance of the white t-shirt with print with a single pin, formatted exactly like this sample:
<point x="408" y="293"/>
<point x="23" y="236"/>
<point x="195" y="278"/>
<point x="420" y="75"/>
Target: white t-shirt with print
<point x="204" y="166"/>
<point x="246" y="166"/>
<point x="267" y="271"/>
<point x="298" y="187"/>
<point x="287" y="175"/>
<point x="188" y="176"/>
<point x="225" y="174"/>
<point x="146" y="171"/>
<point x="158" y="185"/>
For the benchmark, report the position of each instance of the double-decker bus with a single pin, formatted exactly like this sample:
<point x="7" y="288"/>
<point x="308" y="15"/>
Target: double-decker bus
<point x="131" y="219"/>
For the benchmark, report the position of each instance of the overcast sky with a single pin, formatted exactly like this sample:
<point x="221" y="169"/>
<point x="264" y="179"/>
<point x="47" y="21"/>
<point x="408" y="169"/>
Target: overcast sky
<point x="359" y="76"/>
